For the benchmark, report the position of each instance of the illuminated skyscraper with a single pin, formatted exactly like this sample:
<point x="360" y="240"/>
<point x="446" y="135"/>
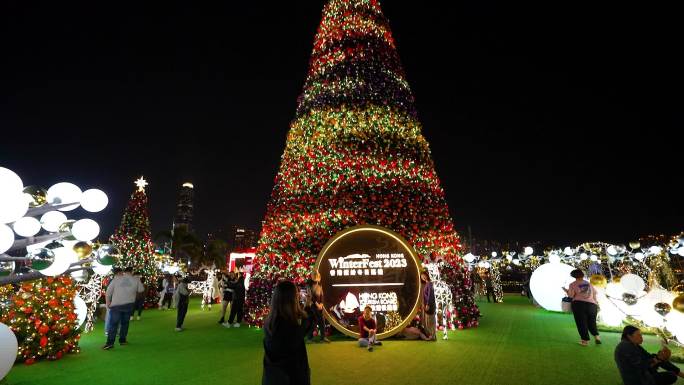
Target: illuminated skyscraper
<point x="184" y="209"/>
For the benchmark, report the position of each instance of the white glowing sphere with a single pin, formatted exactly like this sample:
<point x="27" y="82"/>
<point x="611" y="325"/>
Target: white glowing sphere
<point x="64" y="257"/>
<point x="101" y="269"/>
<point x="529" y="250"/>
<point x="655" y="249"/>
<point x="26" y="226"/>
<point x="584" y="256"/>
<point x="568" y="251"/>
<point x="10" y="181"/>
<point x="52" y="220"/>
<point x="651" y="318"/>
<point x="547" y="284"/>
<point x="486" y="265"/>
<point x="554" y="258"/>
<point x="81" y="310"/>
<point x="614" y="290"/>
<point x="8" y="350"/>
<point x="94" y="200"/>
<point x="675" y="324"/>
<point x="85" y="230"/>
<point x="593" y="258"/>
<point x="611" y="250"/>
<point x="80" y="275"/>
<point x="516" y="262"/>
<point x="62" y="193"/>
<point x="509" y="257"/>
<point x="6" y="238"/>
<point x="13" y="206"/>
<point x="632" y="282"/>
<point x="469" y="258"/>
<point x="610" y="314"/>
<point x="639" y="256"/>
<point x="494" y="254"/>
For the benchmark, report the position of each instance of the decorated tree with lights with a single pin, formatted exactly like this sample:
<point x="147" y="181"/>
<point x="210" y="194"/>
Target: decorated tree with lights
<point x="133" y="237"/>
<point x="41" y="314"/>
<point x="354" y="155"/>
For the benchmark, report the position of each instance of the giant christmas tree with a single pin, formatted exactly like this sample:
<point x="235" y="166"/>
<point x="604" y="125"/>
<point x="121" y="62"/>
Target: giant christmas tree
<point x="354" y="155"/>
<point x="133" y="239"/>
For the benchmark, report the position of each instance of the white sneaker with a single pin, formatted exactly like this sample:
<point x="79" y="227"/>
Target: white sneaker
<point x="179" y="329"/>
<point x="137" y="318"/>
<point x="236" y="325"/>
<point x="226" y="325"/>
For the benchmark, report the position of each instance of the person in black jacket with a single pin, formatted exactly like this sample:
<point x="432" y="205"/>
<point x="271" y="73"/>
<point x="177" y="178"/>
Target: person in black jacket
<point x="429" y="314"/>
<point x="238" y="301"/>
<point x="639" y="367"/>
<point x="285" y="358"/>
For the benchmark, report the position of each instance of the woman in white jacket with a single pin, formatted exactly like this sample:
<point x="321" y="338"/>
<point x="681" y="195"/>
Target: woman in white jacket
<point x="165" y="284"/>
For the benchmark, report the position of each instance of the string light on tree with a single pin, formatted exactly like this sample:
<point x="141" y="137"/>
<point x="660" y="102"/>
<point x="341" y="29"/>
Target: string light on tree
<point x="355" y="155"/>
<point x="132" y="239"/>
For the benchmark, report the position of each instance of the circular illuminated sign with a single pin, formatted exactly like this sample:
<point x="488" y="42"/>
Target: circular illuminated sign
<point x="369" y="265"/>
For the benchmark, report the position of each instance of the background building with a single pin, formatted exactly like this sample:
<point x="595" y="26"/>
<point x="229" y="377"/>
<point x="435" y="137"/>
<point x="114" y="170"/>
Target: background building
<point x="184" y="209"/>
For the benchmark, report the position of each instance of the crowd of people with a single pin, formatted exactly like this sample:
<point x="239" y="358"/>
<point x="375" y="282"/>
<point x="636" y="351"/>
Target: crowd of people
<point x="293" y="321"/>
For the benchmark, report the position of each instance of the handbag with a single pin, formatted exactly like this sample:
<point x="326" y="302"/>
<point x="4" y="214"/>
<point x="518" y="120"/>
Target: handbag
<point x="566" y="305"/>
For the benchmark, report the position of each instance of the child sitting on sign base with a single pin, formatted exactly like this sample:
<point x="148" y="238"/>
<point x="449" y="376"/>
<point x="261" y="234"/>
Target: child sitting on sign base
<point x="368" y="330"/>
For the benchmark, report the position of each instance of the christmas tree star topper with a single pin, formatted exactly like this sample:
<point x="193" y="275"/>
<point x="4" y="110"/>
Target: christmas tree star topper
<point x="141" y="183"/>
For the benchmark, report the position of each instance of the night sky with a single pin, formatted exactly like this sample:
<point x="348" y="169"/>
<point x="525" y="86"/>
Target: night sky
<point x="555" y="122"/>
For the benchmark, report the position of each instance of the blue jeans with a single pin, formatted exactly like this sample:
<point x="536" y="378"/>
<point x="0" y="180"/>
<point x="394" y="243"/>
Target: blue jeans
<point x="119" y="314"/>
<point x="108" y="320"/>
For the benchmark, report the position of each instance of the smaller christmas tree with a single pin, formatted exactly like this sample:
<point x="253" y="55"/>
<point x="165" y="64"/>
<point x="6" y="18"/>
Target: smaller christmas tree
<point x="133" y="237"/>
<point x="41" y="315"/>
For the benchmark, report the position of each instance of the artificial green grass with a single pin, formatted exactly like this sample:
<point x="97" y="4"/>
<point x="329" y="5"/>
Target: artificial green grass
<point x="516" y="343"/>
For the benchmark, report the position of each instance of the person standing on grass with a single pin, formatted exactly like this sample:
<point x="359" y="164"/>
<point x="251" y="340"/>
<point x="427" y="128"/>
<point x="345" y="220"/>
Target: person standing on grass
<point x="116" y="273"/>
<point x="429" y="313"/>
<point x="120" y="298"/>
<point x="168" y="292"/>
<point x="162" y="289"/>
<point x="285" y="358"/>
<point x="368" y="329"/>
<point x="238" y="302"/>
<point x="639" y="367"/>
<point x="182" y="300"/>
<point x="228" y="291"/>
<point x="584" y="307"/>
<point x="315" y="305"/>
<point x="489" y="287"/>
<point x="140" y="299"/>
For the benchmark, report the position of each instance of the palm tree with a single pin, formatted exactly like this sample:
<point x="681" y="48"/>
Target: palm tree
<point x="216" y="253"/>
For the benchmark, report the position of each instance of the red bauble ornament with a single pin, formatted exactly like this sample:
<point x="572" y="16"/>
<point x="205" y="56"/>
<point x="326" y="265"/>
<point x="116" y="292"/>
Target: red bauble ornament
<point x="43" y="341"/>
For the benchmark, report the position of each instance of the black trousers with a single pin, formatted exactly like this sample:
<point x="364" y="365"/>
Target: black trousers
<point x="490" y="291"/>
<point x="182" y="310"/>
<point x="665" y="378"/>
<point x="236" y="309"/>
<point x="168" y="298"/>
<point x="585" y="318"/>
<point x="316" y="319"/>
<point x="139" y="306"/>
